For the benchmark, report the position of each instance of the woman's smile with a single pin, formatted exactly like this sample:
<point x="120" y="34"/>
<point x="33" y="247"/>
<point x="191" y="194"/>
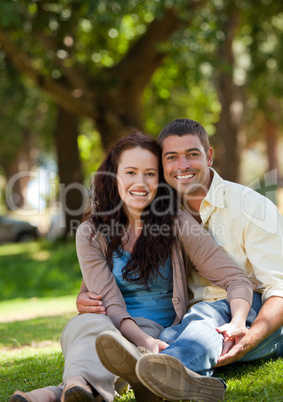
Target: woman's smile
<point x="137" y="177"/>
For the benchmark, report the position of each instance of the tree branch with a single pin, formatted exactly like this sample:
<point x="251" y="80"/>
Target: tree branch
<point x="61" y="95"/>
<point x="73" y="76"/>
<point x="137" y="67"/>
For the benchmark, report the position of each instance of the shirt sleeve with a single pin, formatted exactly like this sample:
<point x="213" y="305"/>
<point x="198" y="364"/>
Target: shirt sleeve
<point x="263" y="239"/>
<point x="97" y="274"/>
<point x="211" y="262"/>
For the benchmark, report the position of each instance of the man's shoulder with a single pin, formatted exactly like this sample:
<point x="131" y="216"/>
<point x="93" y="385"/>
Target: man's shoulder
<point x="238" y="196"/>
<point x="237" y="190"/>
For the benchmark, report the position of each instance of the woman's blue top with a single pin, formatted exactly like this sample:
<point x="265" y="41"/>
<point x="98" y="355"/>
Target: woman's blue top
<point x="154" y="304"/>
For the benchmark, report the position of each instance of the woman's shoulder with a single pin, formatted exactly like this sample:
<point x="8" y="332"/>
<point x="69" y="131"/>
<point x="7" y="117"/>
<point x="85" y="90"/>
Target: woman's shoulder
<point x="189" y="228"/>
<point x="186" y="217"/>
<point x="87" y="230"/>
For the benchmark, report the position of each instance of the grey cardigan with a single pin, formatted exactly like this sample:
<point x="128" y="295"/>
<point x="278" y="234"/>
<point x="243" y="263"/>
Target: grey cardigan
<point x="194" y="246"/>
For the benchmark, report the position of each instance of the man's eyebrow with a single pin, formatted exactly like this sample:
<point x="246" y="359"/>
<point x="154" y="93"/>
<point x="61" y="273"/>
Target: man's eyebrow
<point x="187" y="150"/>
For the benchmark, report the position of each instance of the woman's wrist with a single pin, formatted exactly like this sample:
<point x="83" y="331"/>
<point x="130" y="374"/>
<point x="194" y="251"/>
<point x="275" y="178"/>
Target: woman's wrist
<point x="238" y="322"/>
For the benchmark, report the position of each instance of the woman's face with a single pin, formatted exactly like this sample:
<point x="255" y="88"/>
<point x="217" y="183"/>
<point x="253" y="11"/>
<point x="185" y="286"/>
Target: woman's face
<point x="137" y="178"/>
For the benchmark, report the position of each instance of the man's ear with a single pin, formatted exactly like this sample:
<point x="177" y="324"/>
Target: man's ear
<point x="209" y="156"/>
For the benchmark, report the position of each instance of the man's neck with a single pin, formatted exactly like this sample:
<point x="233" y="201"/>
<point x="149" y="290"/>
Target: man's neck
<point x="192" y="202"/>
<point x="192" y="205"/>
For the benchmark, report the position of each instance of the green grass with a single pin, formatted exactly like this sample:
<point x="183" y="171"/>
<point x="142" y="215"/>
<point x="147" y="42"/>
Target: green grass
<point x="38" y="269"/>
<point x="30" y="326"/>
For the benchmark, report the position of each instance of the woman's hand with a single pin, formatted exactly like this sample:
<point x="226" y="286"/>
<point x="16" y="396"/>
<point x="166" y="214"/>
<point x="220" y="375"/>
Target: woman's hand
<point x="226" y="330"/>
<point x="239" y="313"/>
<point x="136" y="335"/>
<point x="89" y="302"/>
<point x="155" y="345"/>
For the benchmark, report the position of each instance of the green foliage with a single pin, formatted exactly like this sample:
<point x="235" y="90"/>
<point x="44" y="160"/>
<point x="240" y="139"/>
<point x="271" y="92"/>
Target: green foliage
<point x="26" y="117"/>
<point x="87" y="40"/>
<point x="40" y="269"/>
<point x="170" y="99"/>
<point x="92" y="34"/>
<point x="91" y="150"/>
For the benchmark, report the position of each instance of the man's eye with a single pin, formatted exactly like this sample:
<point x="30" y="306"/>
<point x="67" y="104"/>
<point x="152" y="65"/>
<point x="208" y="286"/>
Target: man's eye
<point x="171" y="157"/>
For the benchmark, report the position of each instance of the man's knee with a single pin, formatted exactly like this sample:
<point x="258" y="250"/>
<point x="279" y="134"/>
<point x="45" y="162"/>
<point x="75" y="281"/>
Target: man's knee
<point x="218" y="312"/>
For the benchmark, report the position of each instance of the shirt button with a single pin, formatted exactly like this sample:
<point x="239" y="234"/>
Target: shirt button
<point x="175" y="300"/>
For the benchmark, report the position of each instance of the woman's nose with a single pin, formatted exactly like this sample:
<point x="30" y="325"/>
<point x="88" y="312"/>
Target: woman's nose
<point x="140" y="179"/>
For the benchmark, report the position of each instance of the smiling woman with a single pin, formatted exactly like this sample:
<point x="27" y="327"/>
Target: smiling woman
<point x="137" y="178"/>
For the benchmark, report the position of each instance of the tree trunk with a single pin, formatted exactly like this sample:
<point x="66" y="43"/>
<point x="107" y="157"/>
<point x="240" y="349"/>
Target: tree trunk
<point x="227" y="138"/>
<point x="117" y="112"/>
<point x="271" y="138"/>
<point x="72" y="191"/>
<point x="17" y="174"/>
<point x="15" y="191"/>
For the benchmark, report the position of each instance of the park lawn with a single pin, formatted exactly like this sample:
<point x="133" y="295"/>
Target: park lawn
<point x="39" y="283"/>
<point x="30" y="357"/>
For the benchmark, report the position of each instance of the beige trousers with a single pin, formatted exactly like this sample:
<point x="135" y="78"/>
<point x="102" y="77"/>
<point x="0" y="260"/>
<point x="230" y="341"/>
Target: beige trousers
<point x="78" y="346"/>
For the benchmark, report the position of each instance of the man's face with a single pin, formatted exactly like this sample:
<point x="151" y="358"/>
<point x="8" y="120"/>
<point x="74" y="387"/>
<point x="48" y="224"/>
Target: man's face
<point x="186" y="164"/>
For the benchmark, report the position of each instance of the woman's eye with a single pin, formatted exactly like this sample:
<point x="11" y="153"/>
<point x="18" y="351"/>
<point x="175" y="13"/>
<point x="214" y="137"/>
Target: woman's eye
<point x="130" y="173"/>
<point x="151" y="174"/>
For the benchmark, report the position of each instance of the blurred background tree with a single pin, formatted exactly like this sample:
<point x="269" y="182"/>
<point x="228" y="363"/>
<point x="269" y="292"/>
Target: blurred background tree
<point x="106" y="65"/>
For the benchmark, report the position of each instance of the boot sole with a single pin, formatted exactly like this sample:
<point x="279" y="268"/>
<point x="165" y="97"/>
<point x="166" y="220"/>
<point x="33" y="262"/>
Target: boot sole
<point x="168" y="378"/>
<point x="120" y="357"/>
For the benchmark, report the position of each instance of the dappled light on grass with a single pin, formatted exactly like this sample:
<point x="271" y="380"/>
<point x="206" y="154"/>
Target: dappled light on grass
<point x="39" y="269"/>
<point x="13" y="249"/>
<point x="29" y="369"/>
<point x="24" y="309"/>
<point x="33" y="332"/>
<point x="256" y="381"/>
<point x="41" y="255"/>
<point x="31" y="325"/>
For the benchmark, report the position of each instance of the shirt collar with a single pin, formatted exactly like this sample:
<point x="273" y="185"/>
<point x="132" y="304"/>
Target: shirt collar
<point x="216" y="192"/>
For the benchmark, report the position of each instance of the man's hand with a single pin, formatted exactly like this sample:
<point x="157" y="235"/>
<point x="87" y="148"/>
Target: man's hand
<point x="89" y="302"/>
<point x="242" y="344"/>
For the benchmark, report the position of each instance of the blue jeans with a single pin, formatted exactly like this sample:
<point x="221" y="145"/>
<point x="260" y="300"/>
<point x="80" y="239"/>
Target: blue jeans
<point x="197" y="344"/>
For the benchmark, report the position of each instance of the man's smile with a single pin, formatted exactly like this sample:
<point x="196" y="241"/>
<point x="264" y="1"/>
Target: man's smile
<point x="185" y="176"/>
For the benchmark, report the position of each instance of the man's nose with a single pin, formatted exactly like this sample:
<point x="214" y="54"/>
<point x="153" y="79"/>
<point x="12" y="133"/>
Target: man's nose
<point x="183" y="163"/>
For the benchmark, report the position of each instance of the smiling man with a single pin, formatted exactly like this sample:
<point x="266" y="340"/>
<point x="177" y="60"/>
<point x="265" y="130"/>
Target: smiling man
<point x="185" y="163"/>
<point x="249" y="228"/>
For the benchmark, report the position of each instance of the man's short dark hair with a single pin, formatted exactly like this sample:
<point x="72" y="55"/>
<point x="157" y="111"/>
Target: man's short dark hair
<point x="182" y="127"/>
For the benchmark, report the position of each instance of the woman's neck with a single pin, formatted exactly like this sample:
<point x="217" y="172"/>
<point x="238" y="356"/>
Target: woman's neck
<point x="133" y="230"/>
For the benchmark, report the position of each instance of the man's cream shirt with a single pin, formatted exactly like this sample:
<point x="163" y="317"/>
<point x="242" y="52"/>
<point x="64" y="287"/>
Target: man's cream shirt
<point x="249" y="228"/>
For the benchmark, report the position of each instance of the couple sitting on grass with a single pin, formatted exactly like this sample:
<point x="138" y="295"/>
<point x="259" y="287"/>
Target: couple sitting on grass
<point x="170" y="304"/>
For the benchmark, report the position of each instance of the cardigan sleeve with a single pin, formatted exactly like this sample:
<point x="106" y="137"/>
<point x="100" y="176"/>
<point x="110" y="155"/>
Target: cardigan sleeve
<point x="210" y="261"/>
<point x="97" y="274"/>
